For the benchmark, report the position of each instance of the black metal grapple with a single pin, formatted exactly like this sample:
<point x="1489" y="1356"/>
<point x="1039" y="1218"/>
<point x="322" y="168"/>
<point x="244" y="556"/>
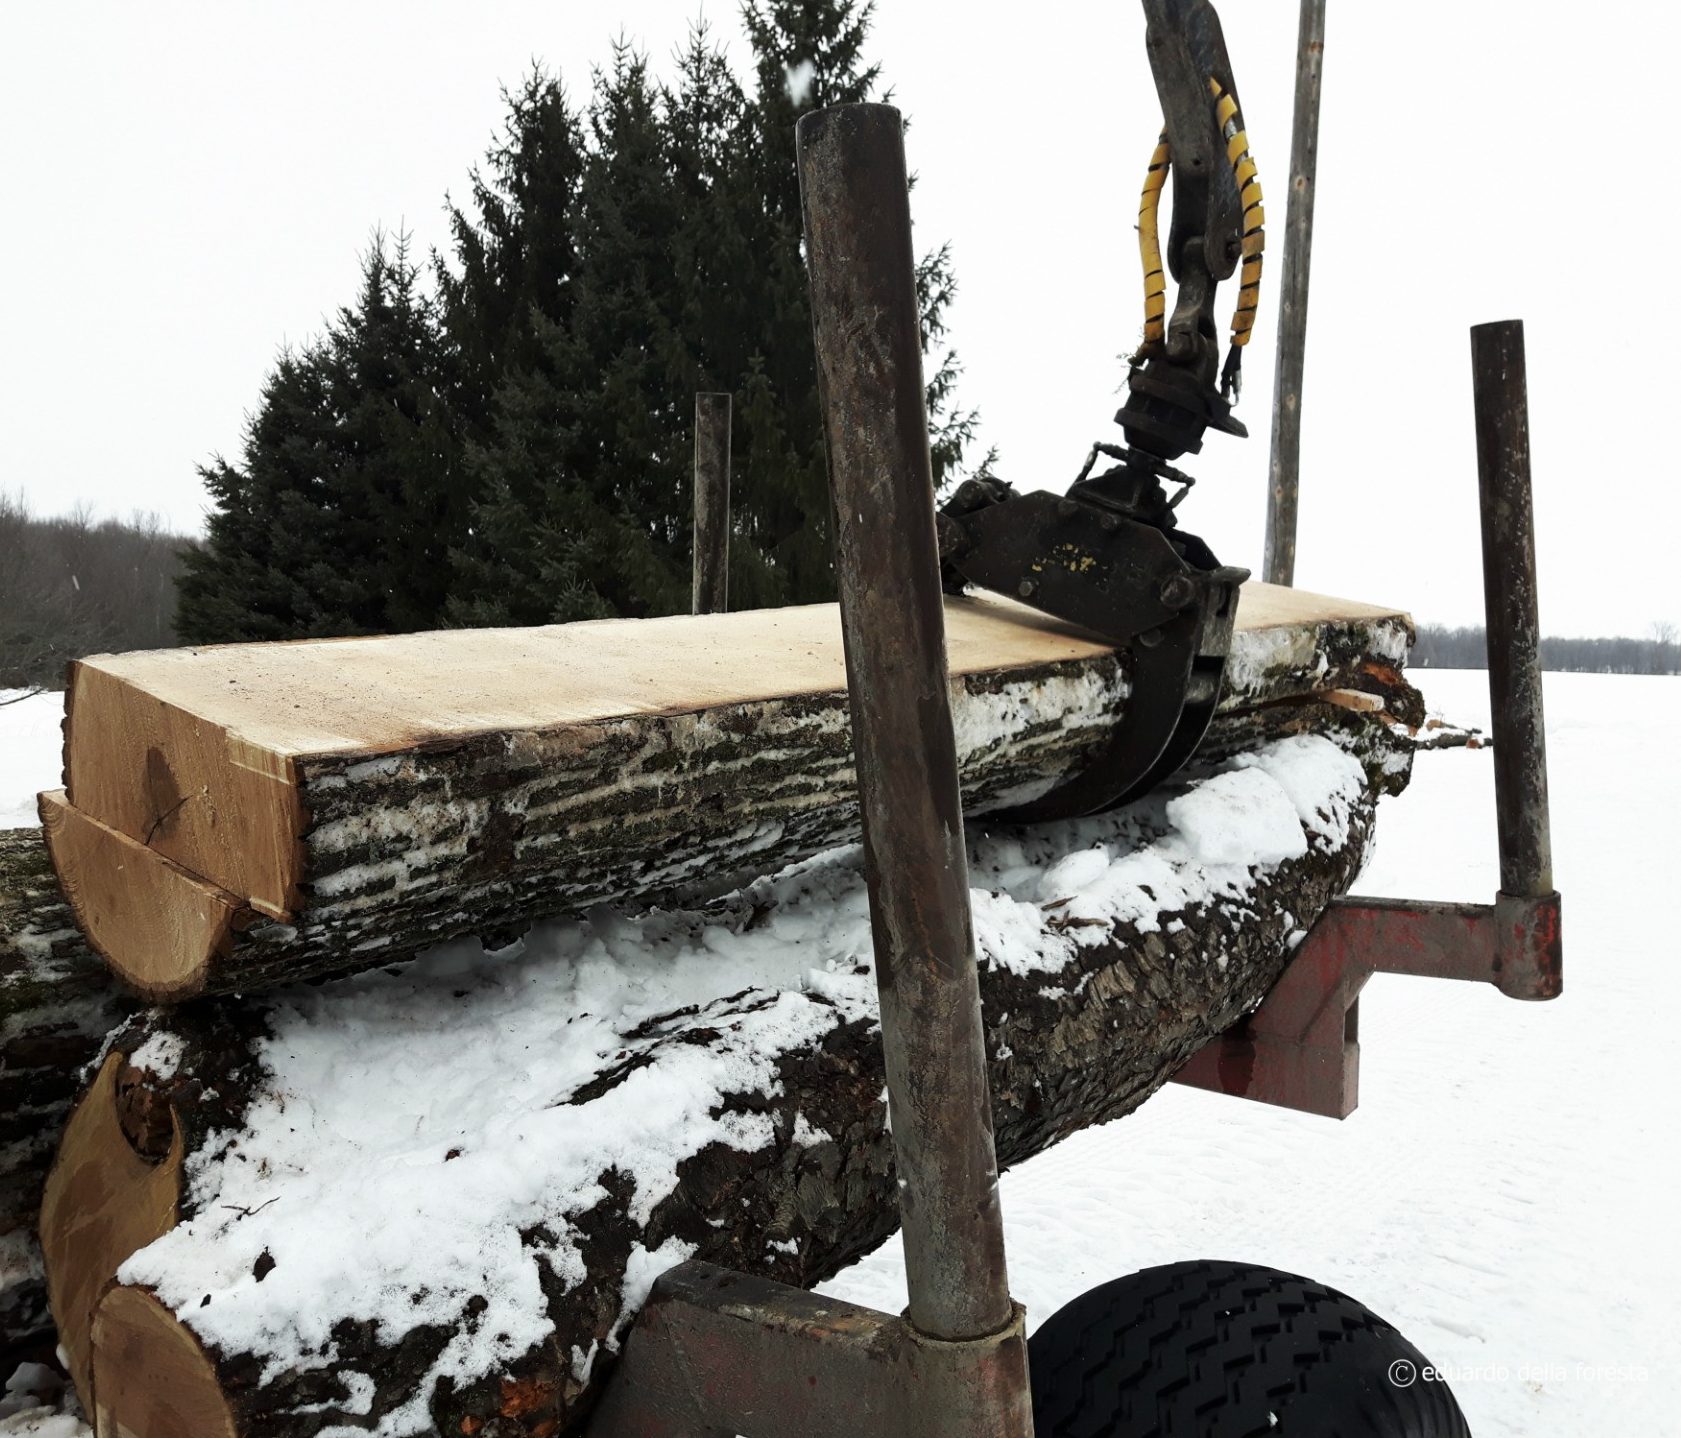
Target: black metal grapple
<point x="1108" y="555"/>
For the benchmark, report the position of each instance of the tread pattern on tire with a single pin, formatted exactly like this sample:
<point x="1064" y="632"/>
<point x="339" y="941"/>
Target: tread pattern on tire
<point x="1213" y="1349"/>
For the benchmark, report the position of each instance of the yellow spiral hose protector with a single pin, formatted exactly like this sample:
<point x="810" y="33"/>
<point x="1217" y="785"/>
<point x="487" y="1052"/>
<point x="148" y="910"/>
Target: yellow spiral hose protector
<point x="1254" y="221"/>
<point x="1150" y="247"/>
<point x="1244" y="171"/>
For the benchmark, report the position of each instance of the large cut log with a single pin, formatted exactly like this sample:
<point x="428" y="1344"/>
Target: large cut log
<point x="431" y="1199"/>
<point x="57" y="1004"/>
<point x="239" y="816"/>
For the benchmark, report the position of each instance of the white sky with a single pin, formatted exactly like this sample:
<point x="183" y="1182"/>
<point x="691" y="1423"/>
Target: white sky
<point x="190" y="184"/>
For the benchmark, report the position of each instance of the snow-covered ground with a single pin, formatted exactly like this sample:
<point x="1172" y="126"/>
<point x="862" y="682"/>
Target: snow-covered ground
<point x="1506" y="1192"/>
<point x="31" y="752"/>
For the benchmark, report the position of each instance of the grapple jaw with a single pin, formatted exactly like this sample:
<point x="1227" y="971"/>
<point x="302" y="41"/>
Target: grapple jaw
<point x="1109" y="555"/>
<point x="1155" y="592"/>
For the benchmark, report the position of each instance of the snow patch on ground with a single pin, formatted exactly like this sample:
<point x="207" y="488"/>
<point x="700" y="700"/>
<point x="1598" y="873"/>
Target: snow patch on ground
<point x="340" y="1177"/>
<point x="44" y="1422"/>
<point x="31" y="753"/>
<point x="161" y="1055"/>
<point x="37" y="1403"/>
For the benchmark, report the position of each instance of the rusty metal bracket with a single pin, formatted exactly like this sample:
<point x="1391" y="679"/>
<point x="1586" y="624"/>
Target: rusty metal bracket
<point x="717" y="1353"/>
<point x="1301" y="1049"/>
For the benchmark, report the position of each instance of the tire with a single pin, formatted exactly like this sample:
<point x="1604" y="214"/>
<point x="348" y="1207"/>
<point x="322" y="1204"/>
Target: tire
<point x="1230" y="1350"/>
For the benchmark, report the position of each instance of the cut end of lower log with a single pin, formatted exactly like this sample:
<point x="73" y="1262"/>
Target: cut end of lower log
<point x="104" y="1201"/>
<point x="159" y="927"/>
<point x="151" y="1377"/>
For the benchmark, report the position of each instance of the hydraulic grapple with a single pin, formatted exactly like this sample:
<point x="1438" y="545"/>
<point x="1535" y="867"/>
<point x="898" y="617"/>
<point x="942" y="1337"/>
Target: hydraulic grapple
<point x="1109" y="554"/>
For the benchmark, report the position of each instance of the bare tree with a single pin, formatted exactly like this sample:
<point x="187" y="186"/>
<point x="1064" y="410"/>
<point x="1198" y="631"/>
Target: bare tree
<point x="1466" y="647"/>
<point x="74" y="585"/>
<point x="1663" y="647"/>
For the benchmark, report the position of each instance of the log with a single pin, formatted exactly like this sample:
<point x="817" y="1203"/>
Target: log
<point x="241" y="816"/>
<point x="57" y="1004"/>
<point x="431" y="1199"/>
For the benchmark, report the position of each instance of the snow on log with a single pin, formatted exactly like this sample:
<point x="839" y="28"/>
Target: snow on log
<point x="57" y="1004"/>
<point x="244" y="815"/>
<point x="431" y="1199"/>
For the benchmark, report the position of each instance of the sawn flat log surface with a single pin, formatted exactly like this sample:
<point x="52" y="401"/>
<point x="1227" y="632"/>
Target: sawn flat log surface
<point x="386" y="694"/>
<point x="432" y="1200"/>
<point x="245" y="815"/>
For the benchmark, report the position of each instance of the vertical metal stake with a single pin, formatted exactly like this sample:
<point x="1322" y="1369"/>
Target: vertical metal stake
<point x="712" y="504"/>
<point x="1278" y="566"/>
<point x="1500" y="376"/>
<point x="869" y="366"/>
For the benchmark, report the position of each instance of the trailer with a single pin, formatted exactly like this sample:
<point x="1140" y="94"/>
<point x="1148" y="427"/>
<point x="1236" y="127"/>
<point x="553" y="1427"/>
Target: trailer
<point x="213" y="844"/>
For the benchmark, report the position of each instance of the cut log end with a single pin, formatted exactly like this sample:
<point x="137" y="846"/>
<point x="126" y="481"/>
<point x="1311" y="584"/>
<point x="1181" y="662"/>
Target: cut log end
<point x="151" y="1377"/>
<point x="106" y="1199"/>
<point x="57" y="1004"/>
<point x="160" y="928"/>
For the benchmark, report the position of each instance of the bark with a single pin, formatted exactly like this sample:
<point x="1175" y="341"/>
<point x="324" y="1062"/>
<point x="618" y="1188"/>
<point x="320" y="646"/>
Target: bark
<point x="484" y="833"/>
<point x="57" y="1004"/>
<point x="1078" y="1046"/>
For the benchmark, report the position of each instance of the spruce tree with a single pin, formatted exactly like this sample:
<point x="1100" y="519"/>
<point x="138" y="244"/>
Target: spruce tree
<point x="685" y="233"/>
<point x="513" y="250"/>
<point x="515" y="448"/>
<point x="575" y="518"/>
<point x="395" y="376"/>
<point x="338" y="518"/>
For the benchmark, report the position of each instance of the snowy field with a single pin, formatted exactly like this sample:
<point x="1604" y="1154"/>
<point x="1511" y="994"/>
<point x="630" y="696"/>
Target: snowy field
<point x="1506" y="1192"/>
<point x="31" y="752"/>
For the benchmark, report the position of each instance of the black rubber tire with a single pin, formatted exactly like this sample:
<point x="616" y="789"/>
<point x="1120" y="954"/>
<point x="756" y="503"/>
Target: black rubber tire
<point x="1210" y="1349"/>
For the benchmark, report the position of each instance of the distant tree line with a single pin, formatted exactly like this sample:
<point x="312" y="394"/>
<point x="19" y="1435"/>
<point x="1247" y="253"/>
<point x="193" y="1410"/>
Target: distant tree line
<point x="502" y="434"/>
<point x="1467" y="648"/>
<point x="75" y="585"/>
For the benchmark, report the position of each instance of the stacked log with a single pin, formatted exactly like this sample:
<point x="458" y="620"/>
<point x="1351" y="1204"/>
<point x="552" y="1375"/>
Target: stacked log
<point x="274" y="1217"/>
<point x="246" y="817"/>
<point x="243" y="816"/>
<point x="57" y="1004"/>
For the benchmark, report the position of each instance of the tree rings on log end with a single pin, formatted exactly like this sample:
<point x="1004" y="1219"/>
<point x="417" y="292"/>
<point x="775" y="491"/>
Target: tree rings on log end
<point x="159" y="927"/>
<point x="153" y="1372"/>
<point x="104" y="1201"/>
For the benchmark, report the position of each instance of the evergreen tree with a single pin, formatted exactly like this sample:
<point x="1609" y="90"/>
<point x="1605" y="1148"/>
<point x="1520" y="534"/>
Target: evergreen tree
<point x="514" y="253"/>
<point x="573" y="519"/>
<point x="338" y="519"/>
<point x="517" y="449"/>
<point x="685" y="234"/>
<point x="394" y="374"/>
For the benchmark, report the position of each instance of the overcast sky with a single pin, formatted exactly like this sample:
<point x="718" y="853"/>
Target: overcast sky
<point x="190" y="184"/>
